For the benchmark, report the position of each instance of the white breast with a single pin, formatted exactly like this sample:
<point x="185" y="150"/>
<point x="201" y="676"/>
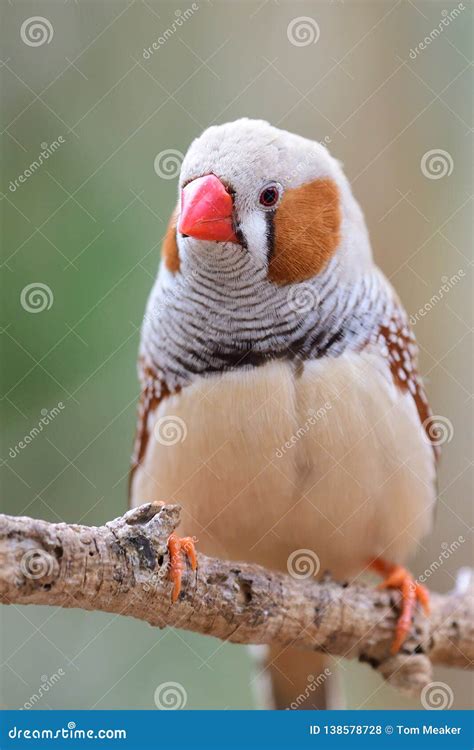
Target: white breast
<point x="269" y="461"/>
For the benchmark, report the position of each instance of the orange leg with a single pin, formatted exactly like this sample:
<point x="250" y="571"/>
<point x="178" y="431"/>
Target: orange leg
<point x="397" y="577"/>
<point x="176" y="546"/>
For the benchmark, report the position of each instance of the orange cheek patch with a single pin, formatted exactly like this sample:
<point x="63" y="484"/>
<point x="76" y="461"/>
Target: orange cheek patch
<point x="306" y="232"/>
<point x="169" y="248"/>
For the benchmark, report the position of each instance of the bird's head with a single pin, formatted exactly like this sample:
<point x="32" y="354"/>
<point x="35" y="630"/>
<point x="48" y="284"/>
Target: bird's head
<point x="282" y="200"/>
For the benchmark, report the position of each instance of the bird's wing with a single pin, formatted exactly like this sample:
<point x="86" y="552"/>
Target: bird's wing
<point x="399" y="347"/>
<point x="152" y="393"/>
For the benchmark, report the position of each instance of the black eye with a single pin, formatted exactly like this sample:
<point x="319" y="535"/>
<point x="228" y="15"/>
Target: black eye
<point x="270" y="195"/>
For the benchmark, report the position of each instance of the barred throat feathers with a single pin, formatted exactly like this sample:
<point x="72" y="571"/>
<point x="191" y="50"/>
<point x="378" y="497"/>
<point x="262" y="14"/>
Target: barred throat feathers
<point x="212" y="317"/>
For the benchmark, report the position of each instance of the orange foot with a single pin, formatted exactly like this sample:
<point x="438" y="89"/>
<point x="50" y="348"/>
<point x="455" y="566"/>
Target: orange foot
<point x="177" y="545"/>
<point x="397" y="577"/>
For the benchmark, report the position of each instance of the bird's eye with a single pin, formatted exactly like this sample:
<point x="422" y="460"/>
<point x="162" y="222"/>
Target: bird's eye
<point x="270" y="195"/>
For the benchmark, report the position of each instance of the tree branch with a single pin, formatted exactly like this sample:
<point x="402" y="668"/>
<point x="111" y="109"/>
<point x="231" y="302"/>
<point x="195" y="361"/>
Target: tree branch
<point x="122" y="567"/>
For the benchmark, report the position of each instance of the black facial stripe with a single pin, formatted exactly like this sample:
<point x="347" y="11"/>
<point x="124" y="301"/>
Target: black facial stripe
<point x="270" y="234"/>
<point x="240" y="235"/>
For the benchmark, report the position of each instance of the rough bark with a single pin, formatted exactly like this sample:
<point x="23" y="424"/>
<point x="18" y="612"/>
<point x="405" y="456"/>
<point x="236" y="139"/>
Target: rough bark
<point x="122" y="567"/>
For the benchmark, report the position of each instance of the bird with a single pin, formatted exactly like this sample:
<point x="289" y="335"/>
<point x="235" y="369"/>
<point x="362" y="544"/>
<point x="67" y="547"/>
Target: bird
<point x="280" y="400"/>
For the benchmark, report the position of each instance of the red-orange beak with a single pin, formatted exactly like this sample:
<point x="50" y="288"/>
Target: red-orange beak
<point x="206" y="210"/>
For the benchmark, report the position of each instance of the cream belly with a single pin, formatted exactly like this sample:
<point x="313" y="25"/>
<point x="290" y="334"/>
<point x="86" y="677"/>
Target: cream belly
<point x="268" y="461"/>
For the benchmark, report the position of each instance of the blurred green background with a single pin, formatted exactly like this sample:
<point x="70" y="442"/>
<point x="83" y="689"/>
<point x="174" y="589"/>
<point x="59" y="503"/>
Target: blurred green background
<point x="88" y="223"/>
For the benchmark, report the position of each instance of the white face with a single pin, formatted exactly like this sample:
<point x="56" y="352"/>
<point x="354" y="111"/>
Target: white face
<point x="250" y="156"/>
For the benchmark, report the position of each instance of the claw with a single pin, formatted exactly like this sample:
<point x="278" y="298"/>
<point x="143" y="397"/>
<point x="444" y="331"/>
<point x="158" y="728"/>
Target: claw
<point x="176" y="546"/>
<point x="397" y="577"/>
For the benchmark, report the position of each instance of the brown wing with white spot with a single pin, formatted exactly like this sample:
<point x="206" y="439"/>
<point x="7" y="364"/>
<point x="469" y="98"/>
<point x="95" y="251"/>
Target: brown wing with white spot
<point x="399" y="346"/>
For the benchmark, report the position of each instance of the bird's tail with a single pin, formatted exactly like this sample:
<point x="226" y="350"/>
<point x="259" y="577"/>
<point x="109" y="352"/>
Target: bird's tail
<point x="300" y="679"/>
